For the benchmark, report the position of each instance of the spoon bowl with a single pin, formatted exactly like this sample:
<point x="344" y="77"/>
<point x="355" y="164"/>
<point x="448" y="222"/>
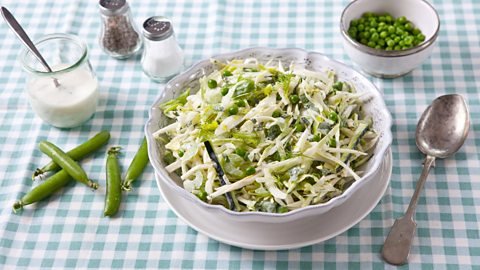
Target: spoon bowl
<point x="441" y="131"/>
<point x="443" y="127"/>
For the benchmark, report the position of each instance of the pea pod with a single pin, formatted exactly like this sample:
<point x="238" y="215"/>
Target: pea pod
<point x="78" y="152"/>
<point x="66" y="163"/>
<point x="137" y="166"/>
<point x="45" y="189"/>
<point x="114" y="191"/>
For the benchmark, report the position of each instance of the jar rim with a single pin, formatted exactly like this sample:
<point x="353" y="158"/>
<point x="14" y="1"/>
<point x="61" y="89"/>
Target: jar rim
<point x="56" y="36"/>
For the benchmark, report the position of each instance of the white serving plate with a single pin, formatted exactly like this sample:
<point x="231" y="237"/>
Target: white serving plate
<point x="283" y="235"/>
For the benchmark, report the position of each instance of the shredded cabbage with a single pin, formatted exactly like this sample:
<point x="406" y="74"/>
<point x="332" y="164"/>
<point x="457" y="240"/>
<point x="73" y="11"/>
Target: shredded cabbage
<point x="286" y="137"/>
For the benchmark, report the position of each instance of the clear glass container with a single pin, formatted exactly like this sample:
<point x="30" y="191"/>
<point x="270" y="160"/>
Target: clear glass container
<point x="162" y="56"/>
<point x="119" y="36"/>
<point x="67" y="96"/>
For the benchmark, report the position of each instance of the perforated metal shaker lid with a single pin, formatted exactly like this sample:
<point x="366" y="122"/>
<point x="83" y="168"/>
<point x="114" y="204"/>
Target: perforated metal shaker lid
<point x="157" y="28"/>
<point x="112" y="7"/>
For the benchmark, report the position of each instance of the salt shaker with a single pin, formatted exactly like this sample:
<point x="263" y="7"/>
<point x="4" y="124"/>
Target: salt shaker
<point x="118" y="36"/>
<point x="162" y="56"/>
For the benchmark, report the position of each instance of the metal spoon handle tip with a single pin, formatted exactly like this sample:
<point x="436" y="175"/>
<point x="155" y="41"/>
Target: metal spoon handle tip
<point x="399" y="240"/>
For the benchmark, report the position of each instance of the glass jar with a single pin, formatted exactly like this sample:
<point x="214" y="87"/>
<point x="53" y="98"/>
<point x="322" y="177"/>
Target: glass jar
<point x="119" y="37"/>
<point x="162" y="57"/>
<point x="67" y="96"/>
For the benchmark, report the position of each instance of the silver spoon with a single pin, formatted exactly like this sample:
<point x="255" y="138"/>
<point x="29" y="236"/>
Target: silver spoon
<point x="441" y="131"/>
<point x="22" y="35"/>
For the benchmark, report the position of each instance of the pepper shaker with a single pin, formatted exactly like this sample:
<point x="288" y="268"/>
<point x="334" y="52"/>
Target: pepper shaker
<point x="162" y="57"/>
<point x="118" y="36"/>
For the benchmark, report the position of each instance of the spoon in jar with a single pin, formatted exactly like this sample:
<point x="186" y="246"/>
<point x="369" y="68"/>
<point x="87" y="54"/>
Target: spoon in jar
<point x="22" y="35"/>
<point x="441" y="131"/>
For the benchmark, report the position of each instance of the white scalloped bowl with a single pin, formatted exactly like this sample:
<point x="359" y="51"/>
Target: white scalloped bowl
<point x="375" y="107"/>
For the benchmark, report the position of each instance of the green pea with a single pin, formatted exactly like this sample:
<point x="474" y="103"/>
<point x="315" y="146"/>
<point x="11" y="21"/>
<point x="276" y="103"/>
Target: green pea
<point x="408" y="26"/>
<point x="299" y="127"/>
<point x="316" y="138"/>
<point x="373" y="23"/>
<point x="397" y="47"/>
<point x="338" y="86"/>
<point x="381" y="42"/>
<point x="212" y="83"/>
<point x="352" y="34"/>
<point x="276" y="113"/>
<point x="397" y="39"/>
<point x="233" y="110"/>
<point x="402" y="20"/>
<point x="294" y="99"/>
<point x="374" y="37"/>
<point x="401" y="43"/>
<point x="240" y="103"/>
<point x="224" y="91"/>
<point x="202" y="195"/>
<point x="366" y="34"/>
<point x="389" y="49"/>
<point x="381" y="19"/>
<point x="391" y="29"/>
<point x="388" y="18"/>
<point x="371" y="44"/>
<point x="383" y="34"/>
<point x="241" y="152"/>
<point x="367" y="15"/>
<point x="181" y="153"/>
<point x="333" y="116"/>
<point x="408" y="40"/>
<point x="420" y="37"/>
<point x="250" y="170"/>
<point x="416" y="31"/>
<point x="361" y="27"/>
<point x="227" y="73"/>
<point x="391" y="43"/>
<point x="364" y="41"/>
<point x="353" y="23"/>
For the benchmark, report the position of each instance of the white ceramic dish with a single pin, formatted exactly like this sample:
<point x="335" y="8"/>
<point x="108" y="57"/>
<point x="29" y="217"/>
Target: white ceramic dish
<point x="374" y="107"/>
<point x="288" y="235"/>
<point x="391" y="64"/>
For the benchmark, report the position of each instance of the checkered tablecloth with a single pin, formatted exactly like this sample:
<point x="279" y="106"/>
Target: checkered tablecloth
<point x="69" y="230"/>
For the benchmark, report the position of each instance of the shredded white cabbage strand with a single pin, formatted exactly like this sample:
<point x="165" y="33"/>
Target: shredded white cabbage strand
<point x="285" y="137"/>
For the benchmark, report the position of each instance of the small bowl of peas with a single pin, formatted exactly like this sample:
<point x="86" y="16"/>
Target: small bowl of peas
<point x="389" y="38"/>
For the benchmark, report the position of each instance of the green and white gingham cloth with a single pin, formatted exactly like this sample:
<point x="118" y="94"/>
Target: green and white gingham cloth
<point x="68" y="229"/>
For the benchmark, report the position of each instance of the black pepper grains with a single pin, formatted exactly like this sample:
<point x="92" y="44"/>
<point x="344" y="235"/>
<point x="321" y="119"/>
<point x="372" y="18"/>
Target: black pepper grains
<point x="119" y="37"/>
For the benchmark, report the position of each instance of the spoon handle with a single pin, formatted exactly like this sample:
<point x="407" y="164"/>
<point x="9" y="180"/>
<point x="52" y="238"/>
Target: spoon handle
<point x="399" y="240"/>
<point x="17" y="28"/>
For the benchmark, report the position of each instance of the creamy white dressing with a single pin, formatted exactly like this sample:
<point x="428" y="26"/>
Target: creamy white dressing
<point x="68" y="105"/>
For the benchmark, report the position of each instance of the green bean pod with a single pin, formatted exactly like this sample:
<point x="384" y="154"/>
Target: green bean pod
<point x="137" y="166"/>
<point x="66" y="163"/>
<point x="78" y="152"/>
<point x="114" y="181"/>
<point x="45" y="189"/>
